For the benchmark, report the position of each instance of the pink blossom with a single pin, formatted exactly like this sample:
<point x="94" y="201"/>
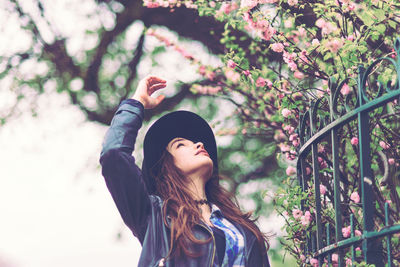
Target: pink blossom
<point x="293" y="137"/>
<point x="383" y="144"/>
<point x="268" y="33"/>
<point x="226" y="8"/>
<point x="277" y="47"/>
<point x="315" y="42"/>
<point x="269" y="83"/>
<point x="345" y="89"/>
<point x="334" y="45"/>
<point x="292" y="2"/>
<point x="346" y="231"/>
<point x="302" y="258"/>
<point x="210" y="75"/>
<point x="355" y="197"/>
<point x="320" y="23"/>
<point x="248" y="3"/>
<point x="298" y="75"/>
<point x="290" y="170"/>
<point x="349" y="263"/>
<point x="391" y="161"/>
<point x="314" y="262"/>
<point x="350" y="37"/>
<point x="212" y="4"/>
<point x="295" y="142"/>
<point x="232" y="75"/>
<point x="284" y="147"/>
<point x="202" y="70"/>
<point x="335" y="257"/>
<point x="231" y="64"/>
<point x="246" y="72"/>
<point x="307" y="215"/>
<point x="150" y="4"/>
<point x="357" y="233"/>
<point x="304" y="221"/>
<point x="286" y="112"/>
<point x="297" y="213"/>
<point x="351" y="7"/>
<point x="260" y="82"/>
<point x="292" y="66"/>
<point x="354" y="141"/>
<point x="322" y="189"/>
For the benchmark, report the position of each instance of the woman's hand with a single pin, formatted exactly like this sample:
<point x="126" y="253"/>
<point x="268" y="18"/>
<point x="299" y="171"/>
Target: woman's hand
<point x="146" y="88"/>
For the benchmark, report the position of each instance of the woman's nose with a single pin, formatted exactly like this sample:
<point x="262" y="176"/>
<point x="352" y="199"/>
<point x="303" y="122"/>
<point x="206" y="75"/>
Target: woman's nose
<point x="199" y="144"/>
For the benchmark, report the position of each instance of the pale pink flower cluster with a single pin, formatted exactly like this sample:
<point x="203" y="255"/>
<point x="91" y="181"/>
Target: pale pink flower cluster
<point x="261" y="26"/>
<point x="334" y="45"/>
<point x="232" y="75"/>
<point x="289" y="59"/>
<point x="326" y="27"/>
<point x="168" y="43"/>
<point x="168" y="3"/>
<point x="347" y="5"/>
<point x="293" y="2"/>
<point x="252" y="3"/>
<point x="354" y="141"/>
<point x="322" y="189"/>
<point x="290" y="170"/>
<point x="306" y="218"/>
<point x="322" y="163"/>
<point x="391" y="161"/>
<point x="346" y="232"/>
<point x="349" y="263"/>
<point x="314" y="262"/>
<point x="303" y="56"/>
<point x="227" y="7"/>
<point x="297" y="213"/>
<point x="286" y="112"/>
<point x="335" y="258"/>
<point x="277" y="47"/>
<point x="298" y="75"/>
<point x="231" y="64"/>
<point x="355" y="197"/>
<point x="210" y="90"/>
<point x="294" y="138"/>
<point x="384" y="145"/>
<point x="345" y="90"/>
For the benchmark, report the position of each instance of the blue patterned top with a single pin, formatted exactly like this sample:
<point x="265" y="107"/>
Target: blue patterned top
<point x="234" y="241"/>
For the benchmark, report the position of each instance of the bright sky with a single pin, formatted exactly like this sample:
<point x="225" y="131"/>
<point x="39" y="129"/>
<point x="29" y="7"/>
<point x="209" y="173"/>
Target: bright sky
<point x="55" y="207"/>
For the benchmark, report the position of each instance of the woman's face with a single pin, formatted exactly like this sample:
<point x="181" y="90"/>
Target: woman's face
<point x="190" y="158"/>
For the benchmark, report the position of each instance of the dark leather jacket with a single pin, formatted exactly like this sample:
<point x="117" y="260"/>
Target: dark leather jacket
<point x="142" y="212"/>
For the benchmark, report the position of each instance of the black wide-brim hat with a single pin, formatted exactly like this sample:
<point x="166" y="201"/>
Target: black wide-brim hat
<point x="183" y="124"/>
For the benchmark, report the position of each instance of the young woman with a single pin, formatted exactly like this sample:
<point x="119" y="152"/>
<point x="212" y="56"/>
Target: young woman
<point x="175" y="205"/>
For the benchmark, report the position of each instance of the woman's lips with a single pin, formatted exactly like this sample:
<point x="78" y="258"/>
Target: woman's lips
<point x="203" y="152"/>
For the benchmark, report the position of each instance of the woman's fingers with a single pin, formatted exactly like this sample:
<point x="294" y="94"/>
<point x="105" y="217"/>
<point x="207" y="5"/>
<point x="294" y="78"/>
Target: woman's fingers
<point x="156" y="87"/>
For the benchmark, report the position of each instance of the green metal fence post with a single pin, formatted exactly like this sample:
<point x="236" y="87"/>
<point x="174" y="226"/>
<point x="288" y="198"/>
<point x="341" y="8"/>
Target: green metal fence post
<point x="371" y="248"/>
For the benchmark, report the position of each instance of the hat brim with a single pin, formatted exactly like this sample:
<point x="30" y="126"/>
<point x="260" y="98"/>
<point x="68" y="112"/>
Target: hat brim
<point x="183" y="124"/>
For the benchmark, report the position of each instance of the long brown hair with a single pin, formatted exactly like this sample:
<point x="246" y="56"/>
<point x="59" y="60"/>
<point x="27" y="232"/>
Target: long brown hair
<point x="184" y="213"/>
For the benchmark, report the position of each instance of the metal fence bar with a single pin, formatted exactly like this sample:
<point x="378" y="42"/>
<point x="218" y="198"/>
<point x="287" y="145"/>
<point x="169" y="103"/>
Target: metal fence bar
<point x="316" y="189"/>
<point x="372" y="252"/>
<point x="388" y="238"/>
<point x="336" y="178"/>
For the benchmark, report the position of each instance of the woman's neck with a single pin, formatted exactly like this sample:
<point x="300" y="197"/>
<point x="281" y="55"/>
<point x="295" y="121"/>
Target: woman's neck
<point x="198" y="188"/>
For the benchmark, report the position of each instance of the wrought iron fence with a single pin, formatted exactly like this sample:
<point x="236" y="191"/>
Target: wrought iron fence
<point x="315" y="126"/>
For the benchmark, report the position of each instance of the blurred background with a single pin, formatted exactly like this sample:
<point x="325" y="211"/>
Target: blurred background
<point x="65" y="66"/>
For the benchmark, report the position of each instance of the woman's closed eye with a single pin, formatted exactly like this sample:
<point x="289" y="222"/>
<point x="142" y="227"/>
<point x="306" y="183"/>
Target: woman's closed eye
<point x="179" y="144"/>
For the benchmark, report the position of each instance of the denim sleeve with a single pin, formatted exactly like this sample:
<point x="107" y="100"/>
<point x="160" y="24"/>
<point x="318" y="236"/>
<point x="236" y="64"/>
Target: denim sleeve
<point x="123" y="177"/>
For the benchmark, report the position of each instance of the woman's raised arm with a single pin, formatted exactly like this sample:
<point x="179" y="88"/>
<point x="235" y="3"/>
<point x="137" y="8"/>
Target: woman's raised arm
<point x="123" y="177"/>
